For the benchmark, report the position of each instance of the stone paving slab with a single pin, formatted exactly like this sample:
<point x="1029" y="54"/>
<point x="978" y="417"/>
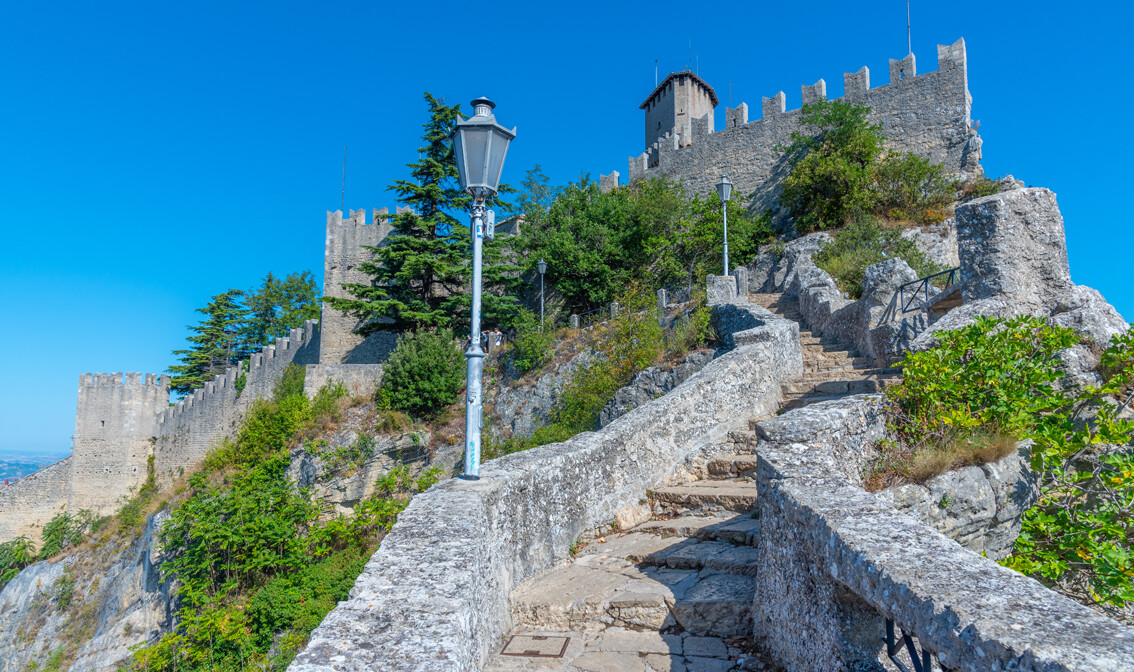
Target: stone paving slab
<point x="621" y="650"/>
<point x="686" y="526"/>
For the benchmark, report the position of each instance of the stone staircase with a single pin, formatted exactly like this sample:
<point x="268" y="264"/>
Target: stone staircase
<point x="830" y="369"/>
<point x="674" y="594"/>
<point x="670" y="595"/>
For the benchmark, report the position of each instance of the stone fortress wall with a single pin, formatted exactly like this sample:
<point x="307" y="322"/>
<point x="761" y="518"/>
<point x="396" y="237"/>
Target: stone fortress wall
<point x="115" y="422"/>
<point x="187" y="430"/>
<point x="925" y="114"/>
<point x="122" y="421"/>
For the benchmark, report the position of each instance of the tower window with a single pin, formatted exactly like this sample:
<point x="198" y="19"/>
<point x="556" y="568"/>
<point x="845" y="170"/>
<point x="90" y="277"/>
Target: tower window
<point x="103" y="423"/>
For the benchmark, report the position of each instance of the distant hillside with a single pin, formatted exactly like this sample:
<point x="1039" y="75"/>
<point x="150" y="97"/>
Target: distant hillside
<point x="15" y="464"/>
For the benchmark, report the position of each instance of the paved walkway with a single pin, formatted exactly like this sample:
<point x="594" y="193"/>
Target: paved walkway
<point x="673" y="594"/>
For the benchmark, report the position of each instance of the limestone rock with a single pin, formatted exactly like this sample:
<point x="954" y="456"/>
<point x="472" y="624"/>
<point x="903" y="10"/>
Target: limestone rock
<point x="938" y="242"/>
<point x="650" y="384"/>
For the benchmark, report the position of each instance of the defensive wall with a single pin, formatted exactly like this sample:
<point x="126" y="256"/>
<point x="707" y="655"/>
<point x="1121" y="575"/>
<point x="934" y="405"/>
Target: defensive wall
<point x="122" y="421"/>
<point x="435" y="596"/>
<point x="187" y="430"/>
<point x="27" y="504"/>
<point x="926" y="114"/>
<point x="115" y="422"/>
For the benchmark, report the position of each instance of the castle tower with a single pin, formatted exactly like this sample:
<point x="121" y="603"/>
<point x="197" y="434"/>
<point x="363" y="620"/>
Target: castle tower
<point x="675" y="103"/>
<point x="344" y="253"/>
<point x="115" y="425"/>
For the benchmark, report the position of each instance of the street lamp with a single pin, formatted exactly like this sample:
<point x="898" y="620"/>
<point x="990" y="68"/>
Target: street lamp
<point x="724" y="190"/>
<point x="542" y="269"/>
<point x="480" y="145"/>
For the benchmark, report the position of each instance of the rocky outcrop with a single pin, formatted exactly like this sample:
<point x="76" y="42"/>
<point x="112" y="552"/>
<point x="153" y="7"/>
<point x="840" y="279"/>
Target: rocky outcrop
<point x="118" y="600"/>
<point x="650" y="384"/>
<point x="518" y="408"/>
<point x="938" y="242"/>
<point x="978" y="507"/>
<point x="1014" y="261"/>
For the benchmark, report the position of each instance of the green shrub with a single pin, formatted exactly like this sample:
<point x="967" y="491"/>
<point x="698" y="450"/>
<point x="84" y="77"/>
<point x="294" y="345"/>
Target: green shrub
<point x="534" y="342"/>
<point x="691" y="331"/>
<point x="910" y="188"/>
<point x="979" y="187"/>
<point x="290" y="383"/>
<point x="863" y="244"/>
<point x="831" y="178"/>
<point x="998" y="376"/>
<point x="424" y="373"/>
<point x="63" y="531"/>
<point x="14" y="556"/>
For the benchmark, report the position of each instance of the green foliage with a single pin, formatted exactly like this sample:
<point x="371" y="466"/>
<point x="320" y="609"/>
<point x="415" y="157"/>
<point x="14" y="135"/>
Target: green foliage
<point x="290" y="383"/>
<point x="999" y="374"/>
<point x="420" y="273"/>
<point x="692" y="330"/>
<point x="831" y="177"/>
<point x="64" y="531"/>
<point x="910" y="188"/>
<point x="534" y="342"/>
<point x="865" y="243"/>
<point x="214" y="345"/>
<point x="345" y="458"/>
<point x="276" y="307"/>
<point x="258" y="562"/>
<point x="132" y="515"/>
<point x="14" y="556"/>
<point x="424" y="373"/>
<point x="647" y="233"/>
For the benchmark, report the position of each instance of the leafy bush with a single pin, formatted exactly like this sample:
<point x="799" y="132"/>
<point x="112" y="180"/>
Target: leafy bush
<point x="998" y="376"/>
<point x="831" y="178"/>
<point x="863" y="244"/>
<point x="910" y="188"/>
<point x="534" y="341"/>
<point x="424" y="373"/>
<point x="650" y="232"/>
<point x="14" y="556"/>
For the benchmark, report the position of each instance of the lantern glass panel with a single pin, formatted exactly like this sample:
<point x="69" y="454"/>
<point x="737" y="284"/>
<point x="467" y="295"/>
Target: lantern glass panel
<point x="476" y="149"/>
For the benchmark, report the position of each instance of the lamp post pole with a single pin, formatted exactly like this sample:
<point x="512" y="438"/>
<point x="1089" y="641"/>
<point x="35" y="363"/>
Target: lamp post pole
<point x="474" y="356"/>
<point x="724" y="190"/>
<point x="542" y="270"/>
<point x="479" y="145"/>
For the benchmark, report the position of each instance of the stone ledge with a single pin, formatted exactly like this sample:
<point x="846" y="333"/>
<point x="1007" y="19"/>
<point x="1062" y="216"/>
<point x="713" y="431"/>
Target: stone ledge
<point x="836" y="560"/>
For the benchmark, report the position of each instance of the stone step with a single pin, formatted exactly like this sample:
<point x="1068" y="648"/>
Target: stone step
<point x="837" y="385"/>
<point x="731" y="466"/>
<point x="737" y="529"/>
<point x="705" y="497"/>
<point x="611" y="584"/>
<point x="697" y="555"/>
<point x="806" y="400"/>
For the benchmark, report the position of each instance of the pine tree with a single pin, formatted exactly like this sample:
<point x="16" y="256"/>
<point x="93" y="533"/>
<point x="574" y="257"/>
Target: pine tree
<point x="276" y="307"/>
<point x="421" y="271"/>
<point x="214" y="345"/>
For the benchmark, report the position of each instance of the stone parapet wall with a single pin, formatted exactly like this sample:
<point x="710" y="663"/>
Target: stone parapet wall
<point x="194" y="425"/>
<point x="925" y="114"/>
<point x="836" y="561"/>
<point x="435" y="594"/>
<point x="360" y="379"/>
<point x="27" y="504"/>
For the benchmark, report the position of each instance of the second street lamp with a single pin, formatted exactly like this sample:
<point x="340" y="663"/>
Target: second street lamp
<point x="724" y="190"/>
<point x="480" y="145"/>
<point x="542" y="269"/>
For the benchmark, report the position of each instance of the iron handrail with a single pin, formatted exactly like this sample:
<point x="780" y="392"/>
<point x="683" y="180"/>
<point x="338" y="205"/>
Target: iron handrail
<point x="915" y="300"/>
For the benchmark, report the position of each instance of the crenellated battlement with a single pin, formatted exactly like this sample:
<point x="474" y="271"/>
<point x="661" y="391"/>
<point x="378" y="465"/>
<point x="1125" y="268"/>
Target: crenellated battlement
<point x="927" y="114"/>
<point x="124" y="379"/>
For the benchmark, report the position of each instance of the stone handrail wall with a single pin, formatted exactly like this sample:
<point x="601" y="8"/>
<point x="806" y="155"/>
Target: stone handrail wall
<point x="835" y="561"/>
<point x="435" y="596"/>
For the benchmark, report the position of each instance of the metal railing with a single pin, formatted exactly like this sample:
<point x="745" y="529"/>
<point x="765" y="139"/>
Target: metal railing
<point x="915" y="295"/>
<point x="922" y="660"/>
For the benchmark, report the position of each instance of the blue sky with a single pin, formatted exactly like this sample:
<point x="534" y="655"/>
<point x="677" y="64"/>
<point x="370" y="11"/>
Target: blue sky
<point x="155" y="154"/>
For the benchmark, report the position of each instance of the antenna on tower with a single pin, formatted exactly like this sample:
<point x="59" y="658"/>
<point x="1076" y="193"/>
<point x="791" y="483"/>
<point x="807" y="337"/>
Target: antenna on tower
<point x="655" y="73"/>
<point x="909" y="41"/>
<point x="342" y="197"/>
